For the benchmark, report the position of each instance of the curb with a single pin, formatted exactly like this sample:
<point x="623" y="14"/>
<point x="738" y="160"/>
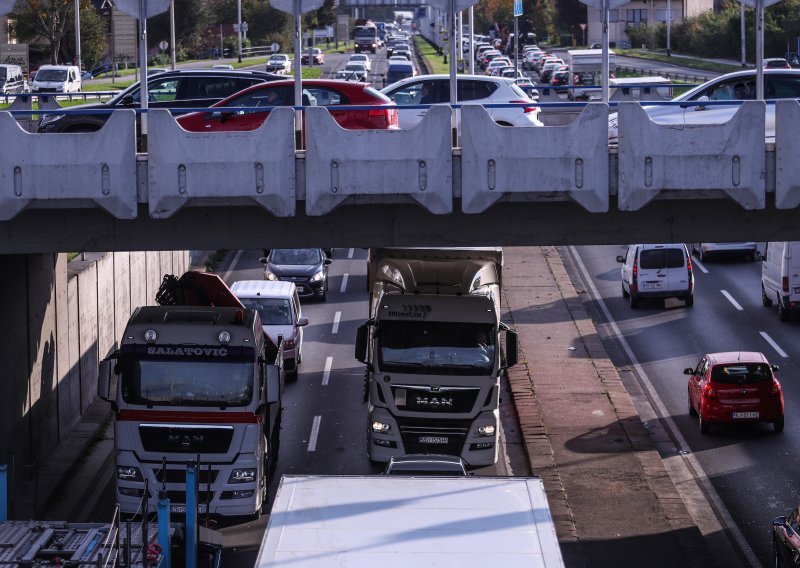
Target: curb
<point x="540" y="452"/>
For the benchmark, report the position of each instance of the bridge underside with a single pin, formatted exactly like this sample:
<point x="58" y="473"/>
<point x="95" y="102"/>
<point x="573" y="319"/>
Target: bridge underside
<point x="503" y="224"/>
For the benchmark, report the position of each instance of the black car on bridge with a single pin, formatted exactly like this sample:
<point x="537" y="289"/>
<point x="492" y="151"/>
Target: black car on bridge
<point x="180" y="88"/>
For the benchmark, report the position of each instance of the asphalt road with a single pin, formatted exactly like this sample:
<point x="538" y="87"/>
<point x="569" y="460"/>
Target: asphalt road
<point x="329" y="392"/>
<point x="751" y="469"/>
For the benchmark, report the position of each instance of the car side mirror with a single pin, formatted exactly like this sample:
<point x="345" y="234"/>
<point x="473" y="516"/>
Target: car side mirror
<point x="127" y="100"/>
<point x="328" y="261"/>
<point x="779" y="521"/>
<point x="214" y="115"/>
<point x="302" y="321"/>
<point x="688" y="371"/>
<point x="263" y="260"/>
<point x="620" y="258"/>
<point x="775" y="368"/>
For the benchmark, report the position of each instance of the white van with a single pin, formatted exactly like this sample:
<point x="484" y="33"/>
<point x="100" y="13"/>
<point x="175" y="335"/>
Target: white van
<point x="12" y="80"/>
<point x="279" y="307"/>
<point x="657" y="271"/>
<point x="57" y="79"/>
<point x="780" y="278"/>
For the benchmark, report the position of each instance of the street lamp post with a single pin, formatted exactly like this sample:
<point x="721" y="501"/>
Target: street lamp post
<point x="239" y="16"/>
<point x="78" y="33"/>
<point x="741" y="16"/>
<point x="669" y="25"/>
<point x="172" y="34"/>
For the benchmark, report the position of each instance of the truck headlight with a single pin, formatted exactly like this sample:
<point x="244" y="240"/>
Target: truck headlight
<point x="269" y="275"/>
<point x="487" y="430"/>
<point x="318" y="276"/>
<point x="129" y="473"/>
<point x="381" y="427"/>
<point x="245" y="475"/>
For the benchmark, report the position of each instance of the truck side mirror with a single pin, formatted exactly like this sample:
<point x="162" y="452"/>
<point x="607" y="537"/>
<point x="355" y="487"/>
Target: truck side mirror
<point x="512" y="348"/>
<point x="104" y="380"/>
<point x="362" y="339"/>
<point x="273" y="384"/>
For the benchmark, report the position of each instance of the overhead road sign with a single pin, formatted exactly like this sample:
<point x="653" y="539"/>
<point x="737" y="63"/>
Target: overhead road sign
<point x="517" y="8"/>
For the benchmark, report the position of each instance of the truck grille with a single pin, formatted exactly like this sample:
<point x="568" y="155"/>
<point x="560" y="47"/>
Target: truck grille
<point x="179" y="475"/>
<point x="412" y="430"/>
<point x="203" y="497"/>
<point x="442" y="399"/>
<point x="167" y="438"/>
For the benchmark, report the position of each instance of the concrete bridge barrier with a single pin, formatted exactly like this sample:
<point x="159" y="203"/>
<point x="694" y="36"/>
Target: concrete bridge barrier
<point x="94" y="169"/>
<point x="692" y="160"/>
<point x="535" y="164"/>
<point x="787" y="150"/>
<point x="216" y="168"/>
<point x="378" y="166"/>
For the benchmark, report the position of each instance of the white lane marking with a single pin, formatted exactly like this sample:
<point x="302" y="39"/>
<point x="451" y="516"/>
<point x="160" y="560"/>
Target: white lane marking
<point x="715" y="502"/>
<point x="312" y="442"/>
<point x="350" y="253"/>
<point x="731" y="300"/>
<point x="699" y="265"/>
<point x="326" y="373"/>
<point x="774" y="344"/>
<point x="232" y="267"/>
<point x="344" y="284"/>
<point x="336" y="319"/>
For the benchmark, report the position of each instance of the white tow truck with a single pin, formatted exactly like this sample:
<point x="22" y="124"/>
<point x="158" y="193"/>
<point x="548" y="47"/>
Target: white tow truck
<point x="432" y="350"/>
<point x="398" y="522"/>
<point x="195" y="380"/>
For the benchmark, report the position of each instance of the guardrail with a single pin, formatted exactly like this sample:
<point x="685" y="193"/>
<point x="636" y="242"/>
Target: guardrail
<point x="417" y="166"/>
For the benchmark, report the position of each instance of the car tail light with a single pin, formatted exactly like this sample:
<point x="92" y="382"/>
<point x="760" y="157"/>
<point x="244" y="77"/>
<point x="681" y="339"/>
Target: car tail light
<point x="527" y="109"/>
<point x="379" y="118"/>
<point x="709" y="392"/>
<point x="634" y="274"/>
<point x="776" y="389"/>
<point x="785" y="284"/>
<point x="689" y="271"/>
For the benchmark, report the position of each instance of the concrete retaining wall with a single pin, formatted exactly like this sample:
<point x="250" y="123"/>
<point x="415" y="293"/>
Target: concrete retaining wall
<point x="59" y="320"/>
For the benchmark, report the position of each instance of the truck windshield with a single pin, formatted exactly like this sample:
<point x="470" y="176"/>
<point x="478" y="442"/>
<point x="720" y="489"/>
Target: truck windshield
<point x="54" y="75"/>
<point x="167" y="382"/>
<point x="436" y="347"/>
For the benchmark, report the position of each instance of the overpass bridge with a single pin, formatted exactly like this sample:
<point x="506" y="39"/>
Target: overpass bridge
<point x="499" y="186"/>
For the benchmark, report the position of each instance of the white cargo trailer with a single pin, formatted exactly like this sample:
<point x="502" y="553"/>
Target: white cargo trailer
<point x="401" y="522"/>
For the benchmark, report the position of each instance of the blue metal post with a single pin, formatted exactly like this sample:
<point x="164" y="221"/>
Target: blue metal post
<point x="191" y="515"/>
<point x="3" y="493"/>
<point x="163" y="528"/>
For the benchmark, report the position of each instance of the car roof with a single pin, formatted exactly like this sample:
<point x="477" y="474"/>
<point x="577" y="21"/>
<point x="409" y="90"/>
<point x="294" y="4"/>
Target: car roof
<point x="727" y="357"/>
<point x="746" y="73"/>
<point x="263" y="288"/>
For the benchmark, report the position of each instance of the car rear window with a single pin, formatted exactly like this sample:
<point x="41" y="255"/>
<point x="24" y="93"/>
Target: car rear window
<point x="740" y="373"/>
<point x="377" y="94"/>
<point x="661" y="258"/>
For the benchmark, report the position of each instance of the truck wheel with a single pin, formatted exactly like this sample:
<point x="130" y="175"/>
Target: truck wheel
<point x="689" y="301"/>
<point x="765" y="300"/>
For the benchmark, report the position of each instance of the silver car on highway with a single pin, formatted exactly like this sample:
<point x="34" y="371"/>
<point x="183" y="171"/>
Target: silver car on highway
<point x="733" y="87"/>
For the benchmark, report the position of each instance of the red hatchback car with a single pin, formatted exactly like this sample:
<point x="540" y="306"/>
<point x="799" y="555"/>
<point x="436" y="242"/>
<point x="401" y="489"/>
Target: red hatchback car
<point x="737" y="386"/>
<point x="318" y="92"/>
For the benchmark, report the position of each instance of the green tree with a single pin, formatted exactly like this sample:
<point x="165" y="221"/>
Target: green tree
<point x="94" y="36"/>
<point x="47" y="19"/>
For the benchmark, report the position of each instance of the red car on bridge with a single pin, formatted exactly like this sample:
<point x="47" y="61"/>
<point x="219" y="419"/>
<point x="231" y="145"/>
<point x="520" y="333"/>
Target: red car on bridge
<point x="316" y="92"/>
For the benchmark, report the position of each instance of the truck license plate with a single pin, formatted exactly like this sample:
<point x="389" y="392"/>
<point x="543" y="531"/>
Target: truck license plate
<point x="182" y="509"/>
<point x="745" y="415"/>
<point x="433" y="440"/>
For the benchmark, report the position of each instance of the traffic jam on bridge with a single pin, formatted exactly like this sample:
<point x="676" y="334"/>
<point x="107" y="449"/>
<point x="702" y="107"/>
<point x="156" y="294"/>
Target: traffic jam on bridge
<point x="320" y="406"/>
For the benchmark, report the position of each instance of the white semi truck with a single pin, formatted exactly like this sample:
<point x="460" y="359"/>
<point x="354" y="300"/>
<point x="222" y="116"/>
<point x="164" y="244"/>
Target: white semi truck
<point x="195" y="380"/>
<point x="432" y="350"/>
<point x="397" y="522"/>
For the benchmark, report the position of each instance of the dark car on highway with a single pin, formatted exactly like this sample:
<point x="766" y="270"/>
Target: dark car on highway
<point x="306" y="267"/>
<point x="786" y="540"/>
<point x="181" y="88"/>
